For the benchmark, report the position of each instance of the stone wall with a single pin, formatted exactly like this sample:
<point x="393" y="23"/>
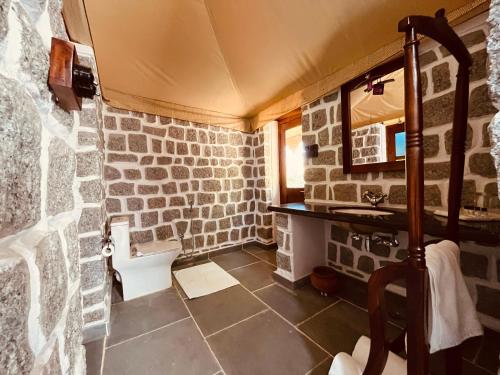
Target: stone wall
<point x="42" y="196"/>
<point x="493" y="47"/>
<point x="263" y="186"/>
<point x="479" y="263"/>
<point x="325" y="181"/>
<point x="368" y="144"/>
<point x="95" y="280"/>
<point x="156" y="166"/>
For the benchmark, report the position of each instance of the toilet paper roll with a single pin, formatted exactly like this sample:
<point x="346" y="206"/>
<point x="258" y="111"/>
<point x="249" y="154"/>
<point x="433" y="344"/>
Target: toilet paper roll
<point x="108" y="250"/>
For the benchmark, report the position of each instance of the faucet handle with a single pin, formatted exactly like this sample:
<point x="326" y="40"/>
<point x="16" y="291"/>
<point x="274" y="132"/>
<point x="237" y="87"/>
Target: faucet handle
<point x="382" y="196"/>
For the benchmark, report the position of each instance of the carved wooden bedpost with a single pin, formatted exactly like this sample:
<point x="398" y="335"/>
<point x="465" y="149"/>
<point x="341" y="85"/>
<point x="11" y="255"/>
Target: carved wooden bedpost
<point x="414" y="268"/>
<point x="417" y="277"/>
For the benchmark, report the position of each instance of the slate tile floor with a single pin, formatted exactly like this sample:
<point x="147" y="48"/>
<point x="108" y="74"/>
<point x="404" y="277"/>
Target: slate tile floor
<point x="257" y="327"/>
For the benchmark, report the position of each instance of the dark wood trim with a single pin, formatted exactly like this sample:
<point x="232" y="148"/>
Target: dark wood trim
<point x="288" y="121"/>
<point x="390" y="140"/>
<point x="63" y="58"/>
<point x="345" y="100"/>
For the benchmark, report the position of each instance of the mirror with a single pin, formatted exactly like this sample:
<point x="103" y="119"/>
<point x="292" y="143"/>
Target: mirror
<point x="373" y="120"/>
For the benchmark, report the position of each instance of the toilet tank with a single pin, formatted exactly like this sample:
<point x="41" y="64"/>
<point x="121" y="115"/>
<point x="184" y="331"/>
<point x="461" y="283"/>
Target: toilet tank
<point x="121" y="239"/>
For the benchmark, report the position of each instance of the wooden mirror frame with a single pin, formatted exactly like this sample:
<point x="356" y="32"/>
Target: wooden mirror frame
<point x="345" y="90"/>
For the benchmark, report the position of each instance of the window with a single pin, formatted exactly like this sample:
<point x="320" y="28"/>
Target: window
<point x="396" y="142"/>
<point x="291" y="151"/>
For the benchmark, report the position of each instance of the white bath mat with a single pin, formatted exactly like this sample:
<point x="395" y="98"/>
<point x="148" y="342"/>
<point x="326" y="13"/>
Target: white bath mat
<point x="204" y="279"/>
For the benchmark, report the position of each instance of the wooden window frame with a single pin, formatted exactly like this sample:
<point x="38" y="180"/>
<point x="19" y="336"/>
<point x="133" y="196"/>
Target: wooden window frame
<point x="288" y="121"/>
<point x="390" y="141"/>
<point x="345" y="102"/>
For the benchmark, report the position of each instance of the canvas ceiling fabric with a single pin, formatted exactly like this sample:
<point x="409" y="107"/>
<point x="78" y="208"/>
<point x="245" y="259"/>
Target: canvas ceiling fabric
<point x="238" y="63"/>
<point x="367" y="108"/>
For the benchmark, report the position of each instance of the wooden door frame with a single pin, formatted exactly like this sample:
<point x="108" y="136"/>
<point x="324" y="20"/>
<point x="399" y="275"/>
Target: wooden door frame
<point x="288" y="121"/>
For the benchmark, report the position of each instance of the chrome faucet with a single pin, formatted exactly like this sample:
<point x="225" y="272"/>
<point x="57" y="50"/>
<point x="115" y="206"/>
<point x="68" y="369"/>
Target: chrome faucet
<point x="386" y="241"/>
<point x="374" y="198"/>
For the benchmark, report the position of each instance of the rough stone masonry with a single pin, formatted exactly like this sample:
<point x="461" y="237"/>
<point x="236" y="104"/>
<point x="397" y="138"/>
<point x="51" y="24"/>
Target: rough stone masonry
<point x="157" y="167"/>
<point x="48" y="189"/>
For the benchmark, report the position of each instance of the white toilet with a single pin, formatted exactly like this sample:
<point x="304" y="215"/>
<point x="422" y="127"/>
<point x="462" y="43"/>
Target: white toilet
<point x="148" y="272"/>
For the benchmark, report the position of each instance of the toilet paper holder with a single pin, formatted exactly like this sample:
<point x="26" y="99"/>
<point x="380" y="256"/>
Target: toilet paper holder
<point x="108" y="247"/>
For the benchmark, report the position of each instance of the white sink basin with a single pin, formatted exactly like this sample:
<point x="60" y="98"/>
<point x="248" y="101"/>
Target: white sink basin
<point x="361" y="211"/>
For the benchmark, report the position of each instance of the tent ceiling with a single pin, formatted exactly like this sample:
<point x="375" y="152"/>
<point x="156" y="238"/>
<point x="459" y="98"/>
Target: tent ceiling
<point x="367" y="108"/>
<point x="229" y="60"/>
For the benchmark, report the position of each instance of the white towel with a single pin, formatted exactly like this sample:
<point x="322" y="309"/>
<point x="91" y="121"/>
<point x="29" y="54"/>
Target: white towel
<point x="344" y="364"/>
<point x="452" y="315"/>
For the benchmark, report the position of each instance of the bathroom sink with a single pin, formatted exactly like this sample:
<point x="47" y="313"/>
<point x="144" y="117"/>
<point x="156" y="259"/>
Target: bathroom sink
<point x="361" y="211"/>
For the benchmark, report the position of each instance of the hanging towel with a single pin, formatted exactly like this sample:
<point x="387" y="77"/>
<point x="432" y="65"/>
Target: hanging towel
<point x="344" y="364"/>
<point x="452" y="314"/>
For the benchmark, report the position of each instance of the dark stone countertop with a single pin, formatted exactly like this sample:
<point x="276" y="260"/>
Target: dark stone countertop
<point x="487" y="233"/>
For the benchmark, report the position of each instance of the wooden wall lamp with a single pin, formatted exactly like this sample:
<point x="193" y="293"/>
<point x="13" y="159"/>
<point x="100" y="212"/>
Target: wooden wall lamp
<point x="68" y="80"/>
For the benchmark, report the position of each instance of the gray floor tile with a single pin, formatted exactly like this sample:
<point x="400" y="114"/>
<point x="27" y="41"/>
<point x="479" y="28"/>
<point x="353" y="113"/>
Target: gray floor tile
<point x="338" y="328"/>
<point x="265" y="344"/>
<point x="219" y="310"/>
<point x="267" y="255"/>
<point x="141" y="315"/>
<point x="488" y="356"/>
<point x="234" y="259"/>
<point x="177" y="349"/>
<point x="93" y="356"/>
<point x="178" y="287"/>
<point x="438" y="367"/>
<point x="295" y="305"/>
<point x="254" y="276"/>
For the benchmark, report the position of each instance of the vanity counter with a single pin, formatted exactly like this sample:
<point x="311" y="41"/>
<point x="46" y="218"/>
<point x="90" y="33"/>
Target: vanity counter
<point x="487" y="233"/>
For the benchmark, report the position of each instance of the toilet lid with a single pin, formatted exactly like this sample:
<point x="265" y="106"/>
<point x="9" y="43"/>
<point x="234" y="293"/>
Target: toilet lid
<point x="155" y="247"/>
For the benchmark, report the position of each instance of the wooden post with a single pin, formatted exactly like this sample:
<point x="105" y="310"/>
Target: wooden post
<point x="417" y="278"/>
<point x="458" y="152"/>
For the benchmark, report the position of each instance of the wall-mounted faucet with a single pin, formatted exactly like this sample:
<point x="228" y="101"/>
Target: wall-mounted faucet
<point x="370" y="240"/>
<point x="374" y="198"/>
<point x="386" y="240"/>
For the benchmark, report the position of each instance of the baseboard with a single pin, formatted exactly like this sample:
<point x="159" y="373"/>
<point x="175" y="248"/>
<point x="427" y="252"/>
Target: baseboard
<point x="270" y="246"/>
<point x="179" y="262"/>
<point x="290" y="284"/>
<point x="94" y="332"/>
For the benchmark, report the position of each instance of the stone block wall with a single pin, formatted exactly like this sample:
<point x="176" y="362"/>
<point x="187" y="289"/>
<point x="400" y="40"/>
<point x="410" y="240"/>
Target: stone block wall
<point x="42" y="197"/>
<point x="95" y="280"/>
<point x="493" y="49"/>
<point x="285" y="246"/>
<point x="480" y="265"/>
<point x="325" y="181"/>
<point x="263" y="186"/>
<point x="368" y="143"/>
<point x="156" y="167"/>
